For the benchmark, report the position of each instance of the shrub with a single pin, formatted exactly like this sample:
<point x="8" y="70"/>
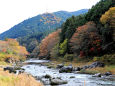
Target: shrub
<point x="69" y="57"/>
<point x="107" y="59"/>
<point x="11" y="50"/>
<point x="63" y="47"/>
<point x="55" y="51"/>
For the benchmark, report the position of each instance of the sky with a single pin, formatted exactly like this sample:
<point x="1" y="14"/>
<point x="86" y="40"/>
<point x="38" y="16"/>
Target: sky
<point x="13" y="12"/>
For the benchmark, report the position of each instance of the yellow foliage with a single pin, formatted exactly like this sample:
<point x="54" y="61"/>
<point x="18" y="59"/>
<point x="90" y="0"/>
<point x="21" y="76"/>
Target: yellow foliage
<point x="10" y="48"/>
<point x="109" y="16"/>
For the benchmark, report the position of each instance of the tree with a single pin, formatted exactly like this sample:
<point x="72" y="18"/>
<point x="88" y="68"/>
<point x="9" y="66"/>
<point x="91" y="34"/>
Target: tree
<point x="63" y="47"/>
<point x="108" y="19"/>
<point x="86" y="40"/>
<point x="35" y="52"/>
<point x="10" y="49"/>
<point x="69" y="27"/>
<point x="96" y="11"/>
<point x="32" y="44"/>
<point x="55" y="51"/>
<point x="48" y="43"/>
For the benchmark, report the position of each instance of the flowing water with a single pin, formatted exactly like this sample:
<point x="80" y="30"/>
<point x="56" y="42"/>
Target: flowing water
<point x="77" y="80"/>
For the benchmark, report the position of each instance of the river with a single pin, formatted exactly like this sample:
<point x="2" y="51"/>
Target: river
<point x="77" y="80"/>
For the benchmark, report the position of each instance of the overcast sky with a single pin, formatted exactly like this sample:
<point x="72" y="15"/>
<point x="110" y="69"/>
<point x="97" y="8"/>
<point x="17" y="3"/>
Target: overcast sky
<point x="13" y="12"/>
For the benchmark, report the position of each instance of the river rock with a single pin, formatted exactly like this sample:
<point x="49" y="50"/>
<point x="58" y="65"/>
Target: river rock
<point x="28" y="66"/>
<point x="17" y="70"/>
<point x="108" y="73"/>
<point x="97" y="75"/>
<point x="76" y="69"/>
<point x="72" y="76"/>
<point x="57" y="81"/>
<point x="10" y="69"/>
<point x="66" y="69"/>
<point x="37" y="77"/>
<point x="47" y="76"/>
<point x="45" y="81"/>
<point x="49" y="67"/>
<point x="60" y="65"/>
<point x="97" y="64"/>
<point x="85" y="67"/>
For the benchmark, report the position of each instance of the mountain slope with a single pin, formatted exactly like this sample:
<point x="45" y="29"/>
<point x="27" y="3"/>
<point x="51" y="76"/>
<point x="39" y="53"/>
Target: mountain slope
<point x="39" y="24"/>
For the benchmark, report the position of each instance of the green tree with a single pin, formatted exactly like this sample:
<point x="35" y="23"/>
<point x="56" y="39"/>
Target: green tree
<point x="96" y="11"/>
<point x="63" y="47"/>
<point x="69" y="27"/>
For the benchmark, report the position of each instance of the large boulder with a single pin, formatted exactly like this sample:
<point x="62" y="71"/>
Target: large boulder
<point x="66" y="69"/>
<point x="85" y="67"/>
<point x="97" y="75"/>
<point x="97" y="64"/>
<point x="108" y="73"/>
<point x="45" y="81"/>
<point x="47" y="76"/>
<point x="76" y="69"/>
<point x="10" y="69"/>
<point x="60" y="66"/>
<point x="57" y="81"/>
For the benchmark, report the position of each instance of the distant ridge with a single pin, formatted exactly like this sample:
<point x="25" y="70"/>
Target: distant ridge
<point x="40" y="24"/>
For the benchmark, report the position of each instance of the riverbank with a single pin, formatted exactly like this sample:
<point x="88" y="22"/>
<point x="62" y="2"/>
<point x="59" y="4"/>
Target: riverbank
<point x="10" y="79"/>
<point x="102" y="70"/>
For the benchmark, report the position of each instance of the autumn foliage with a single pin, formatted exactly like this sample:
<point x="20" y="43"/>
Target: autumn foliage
<point x="10" y="48"/>
<point x="109" y="18"/>
<point x="86" y="40"/>
<point x="48" y="43"/>
<point x="50" y="18"/>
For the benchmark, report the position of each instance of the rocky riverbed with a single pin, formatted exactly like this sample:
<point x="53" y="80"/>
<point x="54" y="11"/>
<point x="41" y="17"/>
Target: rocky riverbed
<point x="53" y="76"/>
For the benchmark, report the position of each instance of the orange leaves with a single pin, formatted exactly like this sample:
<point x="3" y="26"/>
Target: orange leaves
<point x="12" y="42"/>
<point x="11" y="48"/>
<point x="48" y="43"/>
<point x="4" y="50"/>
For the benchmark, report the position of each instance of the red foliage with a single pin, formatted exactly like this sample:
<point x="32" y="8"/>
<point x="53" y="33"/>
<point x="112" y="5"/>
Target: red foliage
<point x="85" y="37"/>
<point x="92" y="49"/>
<point x="81" y="54"/>
<point x="4" y="50"/>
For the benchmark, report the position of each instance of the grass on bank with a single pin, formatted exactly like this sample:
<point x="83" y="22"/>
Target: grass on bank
<point x="8" y="79"/>
<point x="3" y="63"/>
<point x="109" y="68"/>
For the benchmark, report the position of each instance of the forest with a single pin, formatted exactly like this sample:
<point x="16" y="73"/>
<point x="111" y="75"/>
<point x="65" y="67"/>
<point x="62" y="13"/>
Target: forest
<point x="88" y="35"/>
<point x="64" y="38"/>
